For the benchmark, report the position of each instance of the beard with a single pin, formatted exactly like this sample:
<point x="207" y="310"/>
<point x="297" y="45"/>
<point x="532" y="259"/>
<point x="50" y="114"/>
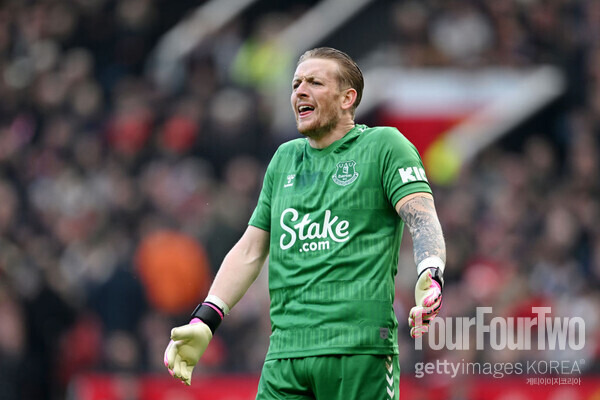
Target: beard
<point x="318" y="129"/>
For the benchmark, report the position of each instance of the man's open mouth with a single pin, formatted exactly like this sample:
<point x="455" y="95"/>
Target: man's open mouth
<point x="305" y="110"/>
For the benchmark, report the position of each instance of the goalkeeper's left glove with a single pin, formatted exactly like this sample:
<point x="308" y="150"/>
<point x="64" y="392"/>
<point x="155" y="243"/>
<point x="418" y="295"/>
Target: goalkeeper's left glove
<point x="428" y="300"/>
<point x="188" y="342"/>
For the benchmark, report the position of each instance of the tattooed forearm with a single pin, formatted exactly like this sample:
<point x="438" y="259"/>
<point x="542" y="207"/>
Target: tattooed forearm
<point x="422" y="221"/>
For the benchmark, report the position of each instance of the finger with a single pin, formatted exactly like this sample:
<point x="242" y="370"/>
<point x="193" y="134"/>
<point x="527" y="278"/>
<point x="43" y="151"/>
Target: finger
<point x="191" y="370"/>
<point x="432" y="300"/>
<point x="437" y="304"/>
<point x="186" y="373"/>
<point x="435" y="309"/>
<point x="183" y="371"/>
<point x="433" y="294"/>
<point x="422" y="315"/>
<point x="177" y="367"/>
<point x="428" y="313"/>
<point x="435" y="284"/>
<point x="418" y="331"/>
<point x="171" y="354"/>
<point x="416" y="314"/>
<point x="427" y="318"/>
<point x="165" y="356"/>
<point x="182" y="332"/>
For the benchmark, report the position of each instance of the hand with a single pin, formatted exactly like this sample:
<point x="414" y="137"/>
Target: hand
<point x="428" y="300"/>
<point x="188" y="343"/>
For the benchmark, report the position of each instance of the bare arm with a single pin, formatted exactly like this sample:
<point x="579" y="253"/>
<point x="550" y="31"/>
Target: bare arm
<point x="418" y="212"/>
<point x="241" y="266"/>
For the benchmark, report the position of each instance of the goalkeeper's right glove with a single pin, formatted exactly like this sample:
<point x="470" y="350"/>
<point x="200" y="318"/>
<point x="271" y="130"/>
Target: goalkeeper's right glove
<point x="188" y="342"/>
<point x="428" y="300"/>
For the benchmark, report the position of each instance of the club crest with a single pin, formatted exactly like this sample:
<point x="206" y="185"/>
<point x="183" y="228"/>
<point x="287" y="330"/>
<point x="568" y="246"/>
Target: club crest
<point x="345" y="173"/>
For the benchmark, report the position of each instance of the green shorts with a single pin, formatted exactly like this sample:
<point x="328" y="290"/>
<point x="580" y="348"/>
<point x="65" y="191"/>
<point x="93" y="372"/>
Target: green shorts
<point x="343" y="377"/>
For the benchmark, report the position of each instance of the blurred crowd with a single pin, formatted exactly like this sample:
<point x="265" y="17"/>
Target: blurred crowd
<point x="118" y="199"/>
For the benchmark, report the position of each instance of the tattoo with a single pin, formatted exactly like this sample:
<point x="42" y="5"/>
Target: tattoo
<point x="422" y="221"/>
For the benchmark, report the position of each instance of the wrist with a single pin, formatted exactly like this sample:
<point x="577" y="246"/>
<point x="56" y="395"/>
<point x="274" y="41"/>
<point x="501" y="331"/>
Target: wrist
<point x="210" y="313"/>
<point x="211" y="298"/>
<point x="430" y="262"/>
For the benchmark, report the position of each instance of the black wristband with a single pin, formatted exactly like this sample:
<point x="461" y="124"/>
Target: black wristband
<point x="210" y="314"/>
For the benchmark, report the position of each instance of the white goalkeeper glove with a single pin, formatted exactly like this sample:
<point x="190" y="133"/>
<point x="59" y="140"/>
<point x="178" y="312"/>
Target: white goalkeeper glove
<point x="188" y="342"/>
<point x="428" y="300"/>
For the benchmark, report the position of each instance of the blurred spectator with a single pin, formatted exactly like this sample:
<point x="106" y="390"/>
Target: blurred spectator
<point x="12" y="346"/>
<point x="173" y="269"/>
<point x="262" y="61"/>
<point x="461" y="33"/>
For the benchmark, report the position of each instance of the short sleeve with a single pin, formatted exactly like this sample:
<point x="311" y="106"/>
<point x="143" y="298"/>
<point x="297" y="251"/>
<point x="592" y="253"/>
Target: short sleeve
<point x="261" y="217"/>
<point x="401" y="165"/>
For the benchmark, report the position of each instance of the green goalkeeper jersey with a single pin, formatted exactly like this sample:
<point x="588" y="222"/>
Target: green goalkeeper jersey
<point x="334" y="241"/>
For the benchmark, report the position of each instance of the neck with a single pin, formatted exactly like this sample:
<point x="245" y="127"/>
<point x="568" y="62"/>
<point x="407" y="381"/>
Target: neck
<point x="338" y="132"/>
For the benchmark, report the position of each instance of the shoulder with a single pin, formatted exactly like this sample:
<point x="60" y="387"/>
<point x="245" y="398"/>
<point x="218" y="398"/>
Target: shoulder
<point x="290" y="147"/>
<point x="286" y="152"/>
<point x="384" y="135"/>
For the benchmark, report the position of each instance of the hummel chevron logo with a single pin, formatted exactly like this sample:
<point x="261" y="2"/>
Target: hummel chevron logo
<point x="388" y="364"/>
<point x="389" y="378"/>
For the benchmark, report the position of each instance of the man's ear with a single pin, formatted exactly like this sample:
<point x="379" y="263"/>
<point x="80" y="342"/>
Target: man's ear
<point x="349" y="97"/>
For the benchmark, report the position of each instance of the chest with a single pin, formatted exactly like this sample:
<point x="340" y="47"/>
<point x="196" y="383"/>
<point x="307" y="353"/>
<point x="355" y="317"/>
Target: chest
<point x="345" y="181"/>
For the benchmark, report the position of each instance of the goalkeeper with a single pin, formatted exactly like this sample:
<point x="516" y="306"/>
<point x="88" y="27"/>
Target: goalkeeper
<point x="330" y="216"/>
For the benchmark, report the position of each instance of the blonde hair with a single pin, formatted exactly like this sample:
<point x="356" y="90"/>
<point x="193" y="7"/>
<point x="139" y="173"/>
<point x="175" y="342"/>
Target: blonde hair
<point x="350" y="75"/>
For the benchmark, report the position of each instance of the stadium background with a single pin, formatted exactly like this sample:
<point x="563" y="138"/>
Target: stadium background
<point x="127" y="170"/>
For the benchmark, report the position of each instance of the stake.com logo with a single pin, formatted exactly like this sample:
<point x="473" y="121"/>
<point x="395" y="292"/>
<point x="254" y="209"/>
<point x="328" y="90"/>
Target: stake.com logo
<point x="332" y="227"/>
<point x="505" y="333"/>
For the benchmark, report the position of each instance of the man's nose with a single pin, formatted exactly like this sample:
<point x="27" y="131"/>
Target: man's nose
<point x="301" y="90"/>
